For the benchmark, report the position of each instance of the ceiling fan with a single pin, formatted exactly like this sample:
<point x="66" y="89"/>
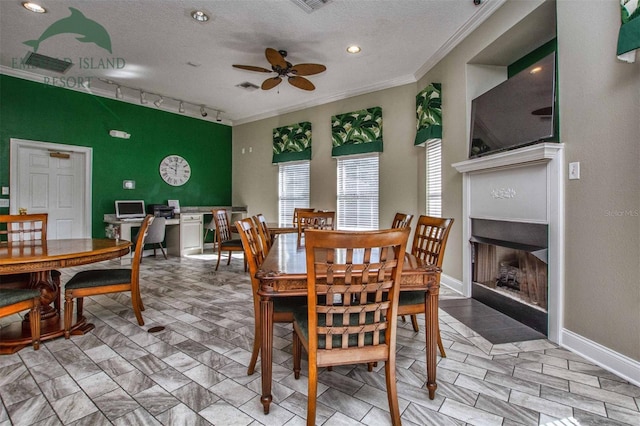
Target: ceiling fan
<point x="293" y="73"/>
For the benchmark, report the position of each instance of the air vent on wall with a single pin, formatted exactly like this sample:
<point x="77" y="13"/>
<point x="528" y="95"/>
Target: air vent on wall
<point x="47" y="63"/>
<point x="247" y="86"/>
<point x="311" y="5"/>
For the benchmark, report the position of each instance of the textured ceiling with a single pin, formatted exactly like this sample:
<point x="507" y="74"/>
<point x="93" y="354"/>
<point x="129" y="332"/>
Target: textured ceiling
<point x="154" y="42"/>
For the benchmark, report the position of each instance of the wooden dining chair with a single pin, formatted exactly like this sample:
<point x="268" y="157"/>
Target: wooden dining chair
<point x="224" y="237"/>
<point x="14" y="300"/>
<point x="104" y="281"/>
<point x="429" y="243"/>
<point x="263" y="232"/>
<point x="296" y="213"/>
<point x="315" y="220"/>
<point x="358" y="275"/>
<point x="24" y="227"/>
<point x="402" y="220"/>
<point x="283" y="307"/>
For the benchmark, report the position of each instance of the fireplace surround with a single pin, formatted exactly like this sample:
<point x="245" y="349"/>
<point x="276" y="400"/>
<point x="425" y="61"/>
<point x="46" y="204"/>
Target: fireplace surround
<point x="515" y="200"/>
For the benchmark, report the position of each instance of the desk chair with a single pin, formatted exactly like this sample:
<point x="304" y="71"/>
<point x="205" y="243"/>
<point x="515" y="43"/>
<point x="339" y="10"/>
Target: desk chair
<point x="156" y="234"/>
<point x="283" y="307"/>
<point x="105" y="281"/>
<point x="223" y="236"/>
<point x="429" y="243"/>
<point x="315" y="220"/>
<point x="356" y="321"/>
<point x="14" y="300"/>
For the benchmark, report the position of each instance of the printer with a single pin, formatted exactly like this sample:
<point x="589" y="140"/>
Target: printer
<point x="161" y="210"/>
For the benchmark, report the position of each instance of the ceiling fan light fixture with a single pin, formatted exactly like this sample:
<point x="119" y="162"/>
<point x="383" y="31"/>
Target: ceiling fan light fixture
<point x="199" y="16"/>
<point x="353" y="49"/>
<point x="33" y="7"/>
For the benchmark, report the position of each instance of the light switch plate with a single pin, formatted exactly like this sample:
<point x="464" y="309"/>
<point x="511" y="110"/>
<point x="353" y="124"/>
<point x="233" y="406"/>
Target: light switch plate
<point x="574" y="170"/>
<point x="4" y="202"/>
<point x="5" y="190"/>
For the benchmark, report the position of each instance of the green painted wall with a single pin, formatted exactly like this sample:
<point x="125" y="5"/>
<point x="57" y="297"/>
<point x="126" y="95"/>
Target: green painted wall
<point x="39" y="112"/>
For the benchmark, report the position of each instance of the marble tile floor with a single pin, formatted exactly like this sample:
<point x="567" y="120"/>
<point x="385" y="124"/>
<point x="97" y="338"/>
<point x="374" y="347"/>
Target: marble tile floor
<point x="194" y="372"/>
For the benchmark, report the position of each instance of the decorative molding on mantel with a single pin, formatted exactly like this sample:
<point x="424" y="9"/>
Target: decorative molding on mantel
<point x="540" y="152"/>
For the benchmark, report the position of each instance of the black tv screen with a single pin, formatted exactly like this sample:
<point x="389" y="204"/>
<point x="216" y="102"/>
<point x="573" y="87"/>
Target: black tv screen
<point x="519" y="111"/>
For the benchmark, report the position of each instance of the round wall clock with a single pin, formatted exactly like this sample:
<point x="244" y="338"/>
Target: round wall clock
<point x="175" y="170"/>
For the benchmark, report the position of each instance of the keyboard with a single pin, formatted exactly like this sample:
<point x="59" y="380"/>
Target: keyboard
<point x="132" y="219"/>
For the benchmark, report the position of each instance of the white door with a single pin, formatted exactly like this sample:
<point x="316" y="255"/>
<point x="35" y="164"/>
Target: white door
<point x="52" y="178"/>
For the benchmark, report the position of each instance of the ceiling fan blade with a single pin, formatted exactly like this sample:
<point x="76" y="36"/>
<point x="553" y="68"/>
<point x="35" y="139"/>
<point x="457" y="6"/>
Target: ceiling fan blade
<point x="270" y="83"/>
<point x="301" y="83"/>
<point x="307" y="69"/>
<point x="275" y="58"/>
<point x="251" y="68"/>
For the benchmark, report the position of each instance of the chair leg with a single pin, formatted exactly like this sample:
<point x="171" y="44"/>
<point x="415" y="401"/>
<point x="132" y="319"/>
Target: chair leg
<point x="68" y="314"/>
<point x="229" y="258"/>
<point x="414" y="323"/>
<point x="297" y="355"/>
<point x="79" y="309"/>
<point x="392" y="392"/>
<point x="219" y="255"/>
<point x="136" y="301"/>
<point x="312" y="395"/>
<point x="443" y="354"/>
<point x="164" y="253"/>
<point x="34" y="320"/>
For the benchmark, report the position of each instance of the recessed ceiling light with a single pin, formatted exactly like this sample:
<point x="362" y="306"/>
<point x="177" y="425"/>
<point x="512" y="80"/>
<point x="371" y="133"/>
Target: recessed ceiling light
<point x="199" y="16"/>
<point x="33" y="7"/>
<point x="535" y="70"/>
<point x="353" y="49"/>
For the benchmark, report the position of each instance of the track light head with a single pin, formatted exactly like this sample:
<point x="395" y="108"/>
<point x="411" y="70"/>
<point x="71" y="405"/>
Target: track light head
<point x="203" y="112"/>
<point x="181" y="107"/>
<point x="159" y="102"/>
<point x="118" y="92"/>
<point x="218" y="118"/>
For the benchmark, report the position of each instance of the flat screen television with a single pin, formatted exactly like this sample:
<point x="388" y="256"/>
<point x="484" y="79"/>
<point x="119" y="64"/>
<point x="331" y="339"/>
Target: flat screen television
<point x="130" y="209"/>
<point x="519" y="111"/>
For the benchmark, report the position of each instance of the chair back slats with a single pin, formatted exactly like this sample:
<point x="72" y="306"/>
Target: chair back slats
<point x="223" y="231"/>
<point x="296" y="213"/>
<point x="430" y="239"/>
<point x="26" y="227"/>
<point x="358" y="273"/>
<point x="402" y="220"/>
<point x="253" y="248"/>
<point x="263" y="231"/>
<point x="315" y="220"/>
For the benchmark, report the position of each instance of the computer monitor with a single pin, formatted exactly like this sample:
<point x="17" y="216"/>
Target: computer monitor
<point x="130" y="209"/>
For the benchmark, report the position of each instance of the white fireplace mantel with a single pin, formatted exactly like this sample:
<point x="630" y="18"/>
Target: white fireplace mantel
<point x="523" y="185"/>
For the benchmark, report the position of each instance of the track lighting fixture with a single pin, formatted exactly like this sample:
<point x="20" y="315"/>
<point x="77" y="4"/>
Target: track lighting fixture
<point x="203" y="112"/>
<point x="159" y="102"/>
<point x="218" y="119"/>
<point x="118" y="92"/>
<point x="181" y="108"/>
<point x="143" y="98"/>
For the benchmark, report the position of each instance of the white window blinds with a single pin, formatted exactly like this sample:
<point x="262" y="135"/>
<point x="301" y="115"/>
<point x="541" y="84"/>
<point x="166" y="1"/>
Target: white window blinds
<point x="358" y="192"/>
<point x="434" y="177"/>
<point x="293" y="189"/>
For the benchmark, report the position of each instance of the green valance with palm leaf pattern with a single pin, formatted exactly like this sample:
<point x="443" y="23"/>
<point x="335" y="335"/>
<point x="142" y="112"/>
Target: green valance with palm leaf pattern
<point x="629" y="35"/>
<point x="357" y="132"/>
<point x="292" y="143"/>
<point x="429" y="114"/>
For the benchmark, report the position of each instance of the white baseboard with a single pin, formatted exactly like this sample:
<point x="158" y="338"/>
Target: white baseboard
<point x="618" y="364"/>
<point x="452" y="283"/>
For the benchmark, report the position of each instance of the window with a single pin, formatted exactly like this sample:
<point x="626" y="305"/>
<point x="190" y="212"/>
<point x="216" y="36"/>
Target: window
<point x="358" y="192"/>
<point x="434" y="177"/>
<point x="293" y="189"/>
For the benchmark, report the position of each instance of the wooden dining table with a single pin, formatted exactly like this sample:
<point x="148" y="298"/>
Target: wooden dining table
<point x="37" y="260"/>
<point x="284" y="274"/>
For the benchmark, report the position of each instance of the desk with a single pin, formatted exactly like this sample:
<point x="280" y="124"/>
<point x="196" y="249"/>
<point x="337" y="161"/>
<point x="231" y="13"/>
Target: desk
<point x="39" y="260"/>
<point x="284" y="273"/>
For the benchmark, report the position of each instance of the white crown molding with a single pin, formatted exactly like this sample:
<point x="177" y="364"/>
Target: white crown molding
<point x="485" y="10"/>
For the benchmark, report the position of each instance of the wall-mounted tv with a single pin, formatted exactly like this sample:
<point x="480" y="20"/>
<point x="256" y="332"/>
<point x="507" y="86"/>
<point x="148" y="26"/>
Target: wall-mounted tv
<point x="520" y="111"/>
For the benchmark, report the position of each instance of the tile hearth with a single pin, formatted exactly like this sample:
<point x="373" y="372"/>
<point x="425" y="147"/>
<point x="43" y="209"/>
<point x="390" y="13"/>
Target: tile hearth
<point x="194" y="371"/>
